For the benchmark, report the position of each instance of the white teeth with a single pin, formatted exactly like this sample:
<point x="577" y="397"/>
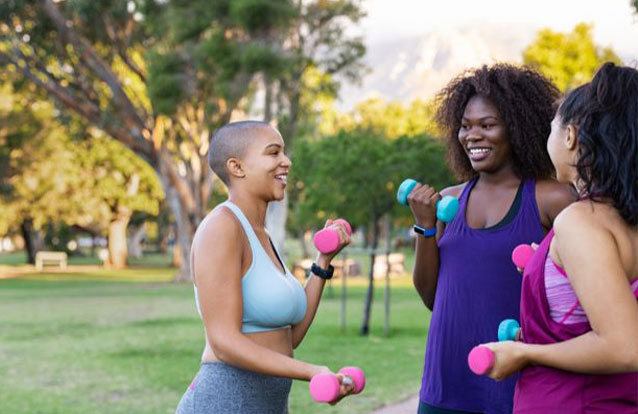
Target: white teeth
<point x="282" y="177"/>
<point x="475" y="151"/>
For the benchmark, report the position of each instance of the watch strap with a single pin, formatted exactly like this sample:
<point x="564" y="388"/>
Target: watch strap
<point x="322" y="273"/>
<point x="424" y="231"/>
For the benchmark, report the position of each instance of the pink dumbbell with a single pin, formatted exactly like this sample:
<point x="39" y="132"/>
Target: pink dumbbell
<point x="326" y="387"/>
<point x="480" y="359"/>
<point x="327" y="240"/>
<point x="522" y="254"/>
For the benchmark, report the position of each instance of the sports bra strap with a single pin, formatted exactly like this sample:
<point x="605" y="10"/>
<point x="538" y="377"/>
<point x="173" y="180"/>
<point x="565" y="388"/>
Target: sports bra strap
<point x="248" y="229"/>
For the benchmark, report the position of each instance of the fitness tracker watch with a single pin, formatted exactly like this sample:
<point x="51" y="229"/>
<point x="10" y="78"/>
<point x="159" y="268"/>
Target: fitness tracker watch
<point x="322" y="273"/>
<point x="425" y="232"/>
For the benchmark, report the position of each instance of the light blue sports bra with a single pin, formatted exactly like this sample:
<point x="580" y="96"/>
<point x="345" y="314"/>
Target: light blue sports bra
<point x="270" y="300"/>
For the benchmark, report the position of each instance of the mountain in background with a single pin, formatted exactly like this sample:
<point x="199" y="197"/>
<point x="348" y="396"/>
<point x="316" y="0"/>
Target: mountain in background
<point x="417" y="67"/>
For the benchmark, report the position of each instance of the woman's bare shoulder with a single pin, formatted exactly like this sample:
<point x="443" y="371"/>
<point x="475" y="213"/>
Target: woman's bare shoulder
<point x="454" y="190"/>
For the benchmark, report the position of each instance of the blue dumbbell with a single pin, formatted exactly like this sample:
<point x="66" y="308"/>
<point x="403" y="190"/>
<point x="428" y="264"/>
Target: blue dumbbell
<point x="446" y="208"/>
<point x="508" y="329"/>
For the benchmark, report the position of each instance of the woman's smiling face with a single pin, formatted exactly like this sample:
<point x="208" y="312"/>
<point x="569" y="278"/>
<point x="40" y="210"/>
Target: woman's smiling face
<point x="483" y="136"/>
<point x="267" y="165"/>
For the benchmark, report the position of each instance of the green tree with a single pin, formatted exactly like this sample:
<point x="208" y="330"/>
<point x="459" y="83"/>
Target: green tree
<point x="568" y="59"/>
<point x="389" y="119"/>
<point x="321" y="55"/>
<point x="54" y="174"/>
<point x="38" y="172"/>
<point x="118" y="184"/>
<point x="158" y="77"/>
<point x="355" y="174"/>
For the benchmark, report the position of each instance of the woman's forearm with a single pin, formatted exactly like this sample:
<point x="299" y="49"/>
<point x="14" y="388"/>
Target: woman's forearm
<point x="426" y="269"/>
<point x="314" y="289"/>
<point x="586" y="354"/>
<point x="239" y="351"/>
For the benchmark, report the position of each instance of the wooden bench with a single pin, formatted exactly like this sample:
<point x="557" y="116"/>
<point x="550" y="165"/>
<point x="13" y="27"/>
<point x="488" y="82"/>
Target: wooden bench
<point x="397" y="265"/>
<point x="43" y="257"/>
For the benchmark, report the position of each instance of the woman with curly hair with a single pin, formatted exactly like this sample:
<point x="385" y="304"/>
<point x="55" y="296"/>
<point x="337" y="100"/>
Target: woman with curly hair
<point x="497" y="120"/>
<point x="579" y="314"/>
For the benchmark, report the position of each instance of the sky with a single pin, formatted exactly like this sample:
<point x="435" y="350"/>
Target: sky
<point x="403" y="37"/>
<point x="614" y="24"/>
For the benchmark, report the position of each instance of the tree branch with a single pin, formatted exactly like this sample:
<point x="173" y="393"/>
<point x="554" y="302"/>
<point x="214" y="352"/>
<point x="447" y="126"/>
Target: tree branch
<point x="180" y="185"/>
<point x="100" y="68"/>
<point x="76" y="103"/>
<point x="81" y="83"/>
<point x="117" y="42"/>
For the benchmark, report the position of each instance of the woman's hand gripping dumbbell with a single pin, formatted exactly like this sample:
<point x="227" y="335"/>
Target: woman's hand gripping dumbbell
<point x="327" y="240"/>
<point x="481" y="358"/>
<point x="522" y="254"/>
<point x="430" y="204"/>
<point x="325" y="388"/>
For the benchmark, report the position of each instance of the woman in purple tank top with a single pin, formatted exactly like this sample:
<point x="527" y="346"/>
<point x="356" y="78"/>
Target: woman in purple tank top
<point x="497" y="120"/>
<point x="588" y="366"/>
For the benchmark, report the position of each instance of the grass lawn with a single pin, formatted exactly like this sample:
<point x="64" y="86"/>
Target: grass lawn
<point x="88" y="344"/>
<point x="19" y="258"/>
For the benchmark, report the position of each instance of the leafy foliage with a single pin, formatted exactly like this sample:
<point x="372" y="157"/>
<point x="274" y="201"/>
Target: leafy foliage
<point x="355" y="174"/>
<point x="568" y="59"/>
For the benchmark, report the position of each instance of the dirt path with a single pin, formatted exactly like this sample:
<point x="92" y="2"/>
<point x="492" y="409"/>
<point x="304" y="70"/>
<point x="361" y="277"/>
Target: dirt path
<point x="408" y="406"/>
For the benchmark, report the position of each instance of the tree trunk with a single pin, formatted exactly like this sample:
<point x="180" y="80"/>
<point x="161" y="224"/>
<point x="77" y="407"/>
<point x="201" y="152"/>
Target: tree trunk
<point x="176" y="261"/>
<point x="365" y="325"/>
<point x="268" y="98"/>
<point x="29" y="240"/>
<point x="118" y="251"/>
<point x="386" y="296"/>
<point x="184" y="237"/>
<point x="135" y="241"/>
<point x="276" y="223"/>
<point x="366" y="238"/>
<point x="93" y="243"/>
<point x="305" y="240"/>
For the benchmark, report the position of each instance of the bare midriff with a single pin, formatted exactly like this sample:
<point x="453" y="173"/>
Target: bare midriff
<point x="279" y="341"/>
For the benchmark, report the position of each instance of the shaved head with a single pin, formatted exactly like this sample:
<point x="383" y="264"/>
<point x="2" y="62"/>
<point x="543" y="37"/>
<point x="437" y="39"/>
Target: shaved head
<point x="231" y="141"/>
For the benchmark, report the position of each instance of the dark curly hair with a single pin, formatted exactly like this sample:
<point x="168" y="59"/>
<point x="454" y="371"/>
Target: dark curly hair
<point x="606" y="114"/>
<point x="525" y="100"/>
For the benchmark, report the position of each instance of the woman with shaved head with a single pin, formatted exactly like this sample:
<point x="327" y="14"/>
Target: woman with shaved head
<point x="254" y="311"/>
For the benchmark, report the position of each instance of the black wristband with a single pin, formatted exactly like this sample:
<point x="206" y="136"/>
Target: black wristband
<point x="322" y="273"/>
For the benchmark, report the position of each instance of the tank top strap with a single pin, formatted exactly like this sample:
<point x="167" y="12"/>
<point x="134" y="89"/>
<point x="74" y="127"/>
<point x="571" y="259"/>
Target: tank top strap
<point x="248" y="229"/>
<point x="465" y="193"/>
<point x="529" y="206"/>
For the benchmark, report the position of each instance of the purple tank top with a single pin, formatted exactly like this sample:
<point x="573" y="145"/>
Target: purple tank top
<point x="478" y="287"/>
<point x="562" y="391"/>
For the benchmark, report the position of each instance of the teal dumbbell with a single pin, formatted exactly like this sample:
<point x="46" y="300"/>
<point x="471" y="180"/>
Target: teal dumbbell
<point x="508" y="329"/>
<point x="481" y="359"/>
<point x="446" y="208"/>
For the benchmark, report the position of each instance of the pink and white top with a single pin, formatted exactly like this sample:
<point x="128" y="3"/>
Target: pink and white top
<point x="564" y="306"/>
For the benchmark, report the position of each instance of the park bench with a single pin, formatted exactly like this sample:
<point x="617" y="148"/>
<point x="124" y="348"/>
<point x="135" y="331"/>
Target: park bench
<point x="396" y="262"/>
<point x="44" y="257"/>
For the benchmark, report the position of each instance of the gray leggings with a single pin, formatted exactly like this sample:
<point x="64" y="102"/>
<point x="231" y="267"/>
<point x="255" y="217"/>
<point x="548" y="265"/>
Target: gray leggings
<point x="219" y="388"/>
